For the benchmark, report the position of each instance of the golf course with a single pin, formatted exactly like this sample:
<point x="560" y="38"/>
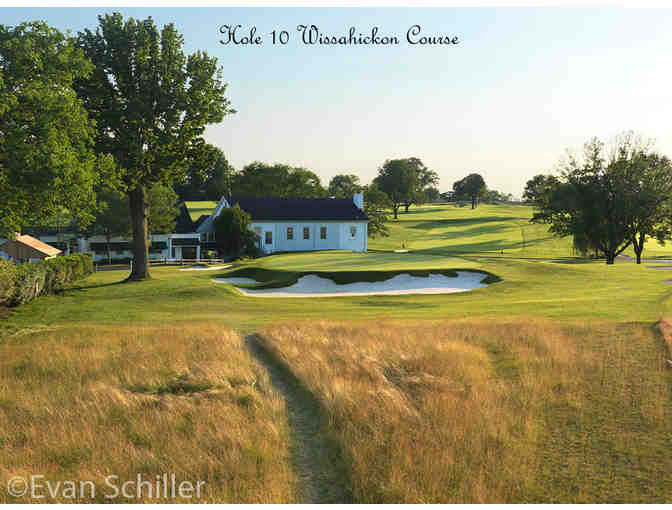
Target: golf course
<point x="548" y="383"/>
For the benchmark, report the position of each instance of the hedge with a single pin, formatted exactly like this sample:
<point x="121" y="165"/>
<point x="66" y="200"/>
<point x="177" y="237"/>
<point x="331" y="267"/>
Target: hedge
<point x="25" y="282"/>
<point x="7" y="279"/>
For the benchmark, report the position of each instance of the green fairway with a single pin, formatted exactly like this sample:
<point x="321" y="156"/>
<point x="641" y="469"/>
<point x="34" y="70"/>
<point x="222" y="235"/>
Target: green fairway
<point x="488" y="229"/>
<point x="495" y="230"/>
<point x="564" y="289"/>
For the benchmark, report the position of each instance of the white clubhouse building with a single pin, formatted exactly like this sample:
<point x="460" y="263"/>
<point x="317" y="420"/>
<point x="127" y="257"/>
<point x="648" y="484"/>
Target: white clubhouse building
<point x="281" y="224"/>
<point x="300" y="224"/>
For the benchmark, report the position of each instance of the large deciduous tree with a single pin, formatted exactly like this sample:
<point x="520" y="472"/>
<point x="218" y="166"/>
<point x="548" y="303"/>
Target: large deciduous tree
<point x="472" y="187"/>
<point x="151" y="104"/>
<point x="652" y="200"/>
<point x="397" y="178"/>
<point x="425" y="179"/>
<point x="613" y="196"/>
<point x="47" y="160"/>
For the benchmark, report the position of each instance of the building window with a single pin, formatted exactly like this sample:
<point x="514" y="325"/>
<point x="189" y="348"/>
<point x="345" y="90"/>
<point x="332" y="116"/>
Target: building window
<point x="353" y="232"/>
<point x="323" y="232"/>
<point x="269" y="237"/>
<point x="306" y="233"/>
<point x="204" y="237"/>
<point x="290" y="233"/>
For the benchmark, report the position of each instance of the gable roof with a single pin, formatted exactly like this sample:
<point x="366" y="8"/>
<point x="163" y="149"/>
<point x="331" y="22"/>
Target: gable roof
<point x="303" y="209"/>
<point x="184" y="222"/>
<point x="31" y="242"/>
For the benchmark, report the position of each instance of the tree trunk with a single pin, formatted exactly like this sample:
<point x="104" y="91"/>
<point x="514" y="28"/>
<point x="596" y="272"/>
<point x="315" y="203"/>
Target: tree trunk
<point x="610" y="258"/>
<point x="139" y="207"/>
<point x="407" y="206"/>
<point x="638" y="246"/>
<point x="396" y="210"/>
<point x="473" y="202"/>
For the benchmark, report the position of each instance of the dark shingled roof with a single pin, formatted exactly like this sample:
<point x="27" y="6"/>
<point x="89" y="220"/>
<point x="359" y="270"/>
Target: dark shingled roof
<point x="183" y="223"/>
<point x="279" y="209"/>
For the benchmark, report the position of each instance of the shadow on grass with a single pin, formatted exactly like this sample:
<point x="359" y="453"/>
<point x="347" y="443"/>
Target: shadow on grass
<point x="98" y="286"/>
<point x="419" y="210"/>
<point x="574" y="261"/>
<point x="484" y="246"/>
<point x="464" y="222"/>
<point x="396" y="304"/>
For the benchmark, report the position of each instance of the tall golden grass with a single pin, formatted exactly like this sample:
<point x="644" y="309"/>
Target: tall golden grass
<point x="490" y="412"/>
<point x="83" y="404"/>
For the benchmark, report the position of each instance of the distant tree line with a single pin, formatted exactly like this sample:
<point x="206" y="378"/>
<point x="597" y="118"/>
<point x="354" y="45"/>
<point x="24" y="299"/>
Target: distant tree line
<point x="612" y="196"/>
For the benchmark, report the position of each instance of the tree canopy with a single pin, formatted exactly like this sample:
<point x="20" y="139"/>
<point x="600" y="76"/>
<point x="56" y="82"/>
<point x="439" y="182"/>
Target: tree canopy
<point x="46" y="137"/>
<point x="611" y="197"/>
<point x="398" y="179"/>
<point x="538" y="188"/>
<point x="376" y="203"/>
<point x="425" y="180"/>
<point x="151" y="104"/>
<point x="211" y="182"/>
<point x="278" y="180"/>
<point x="344" y="186"/>
<point x="163" y="208"/>
<point x="232" y="232"/>
<point x="472" y="187"/>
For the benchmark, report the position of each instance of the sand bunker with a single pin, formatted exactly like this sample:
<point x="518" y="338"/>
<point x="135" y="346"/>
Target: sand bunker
<point x="211" y="268"/>
<point x="314" y="286"/>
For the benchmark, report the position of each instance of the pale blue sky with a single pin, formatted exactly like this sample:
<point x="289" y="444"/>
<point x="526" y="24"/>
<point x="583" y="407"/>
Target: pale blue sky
<point x="521" y="87"/>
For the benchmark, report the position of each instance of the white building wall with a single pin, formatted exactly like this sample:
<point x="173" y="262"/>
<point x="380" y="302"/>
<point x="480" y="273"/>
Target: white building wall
<point x="338" y="236"/>
<point x="356" y="242"/>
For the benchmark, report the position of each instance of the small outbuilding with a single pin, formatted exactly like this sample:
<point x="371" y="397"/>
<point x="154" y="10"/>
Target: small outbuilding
<point x="25" y="248"/>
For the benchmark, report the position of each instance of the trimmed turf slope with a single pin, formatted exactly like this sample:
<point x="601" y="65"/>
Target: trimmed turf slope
<point x="495" y="230"/>
<point x="624" y="292"/>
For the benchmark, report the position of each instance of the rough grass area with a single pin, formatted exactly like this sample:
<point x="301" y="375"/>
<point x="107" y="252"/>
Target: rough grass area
<point x="85" y="403"/>
<point x="491" y="412"/>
